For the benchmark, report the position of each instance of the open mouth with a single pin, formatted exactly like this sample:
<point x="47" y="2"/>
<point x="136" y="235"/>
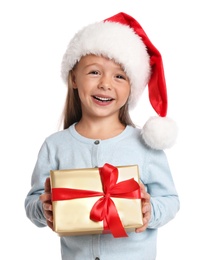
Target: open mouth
<point x="103" y="99"/>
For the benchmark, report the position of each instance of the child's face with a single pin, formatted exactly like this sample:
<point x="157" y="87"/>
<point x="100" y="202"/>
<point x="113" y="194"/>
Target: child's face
<point x="103" y="86"/>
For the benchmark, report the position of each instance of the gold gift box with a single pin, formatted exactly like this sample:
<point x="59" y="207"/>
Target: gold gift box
<point x="72" y="216"/>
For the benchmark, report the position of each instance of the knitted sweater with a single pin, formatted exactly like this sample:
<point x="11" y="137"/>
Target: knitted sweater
<point x="67" y="149"/>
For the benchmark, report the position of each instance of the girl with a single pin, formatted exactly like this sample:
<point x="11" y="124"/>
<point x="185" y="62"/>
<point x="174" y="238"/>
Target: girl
<point x="106" y="67"/>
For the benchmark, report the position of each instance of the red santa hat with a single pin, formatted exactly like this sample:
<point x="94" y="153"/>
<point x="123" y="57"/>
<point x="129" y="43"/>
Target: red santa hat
<point x="122" y="39"/>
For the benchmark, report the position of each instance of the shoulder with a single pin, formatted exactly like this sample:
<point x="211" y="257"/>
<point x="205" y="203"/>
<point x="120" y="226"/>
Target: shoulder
<point x="134" y="137"/>
<point x="137" y="143"/>
<point x="56" y="140"/>
<point x="135" y="133"/>
<point x="58" y="136"/>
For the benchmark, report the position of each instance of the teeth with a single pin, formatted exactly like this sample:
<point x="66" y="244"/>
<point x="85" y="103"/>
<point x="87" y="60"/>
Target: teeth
<point x="103" y="99"/>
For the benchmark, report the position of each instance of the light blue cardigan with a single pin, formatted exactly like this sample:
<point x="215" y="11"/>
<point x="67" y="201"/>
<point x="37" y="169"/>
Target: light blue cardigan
<point x="66" y="150"/>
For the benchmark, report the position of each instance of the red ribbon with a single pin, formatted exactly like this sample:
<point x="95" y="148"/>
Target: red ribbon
<point x="104" y="208"/>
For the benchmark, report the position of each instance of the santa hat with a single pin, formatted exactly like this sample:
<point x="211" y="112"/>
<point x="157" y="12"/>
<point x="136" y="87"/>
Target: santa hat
<point x="122" y="39"/>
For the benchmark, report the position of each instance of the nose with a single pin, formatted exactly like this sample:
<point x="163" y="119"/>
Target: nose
<point x="105" y="83"/>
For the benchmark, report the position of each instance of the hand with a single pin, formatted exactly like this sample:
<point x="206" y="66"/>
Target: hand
<point x="47" y="204"/>
<point x="146" y="209"/>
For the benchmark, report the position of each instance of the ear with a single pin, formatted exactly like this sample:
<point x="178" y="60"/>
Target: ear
<point x="72" y="80"/>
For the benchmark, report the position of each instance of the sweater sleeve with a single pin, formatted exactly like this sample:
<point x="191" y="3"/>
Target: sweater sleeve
<point x="160" y="185"/>
<point x="33" y="205"/>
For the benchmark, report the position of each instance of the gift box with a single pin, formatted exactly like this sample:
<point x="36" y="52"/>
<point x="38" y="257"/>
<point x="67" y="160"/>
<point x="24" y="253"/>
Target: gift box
<point x="96" y="200"/>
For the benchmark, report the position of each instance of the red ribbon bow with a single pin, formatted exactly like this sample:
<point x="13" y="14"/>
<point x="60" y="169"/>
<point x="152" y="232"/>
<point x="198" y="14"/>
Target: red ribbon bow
<point x="104" y="208"/>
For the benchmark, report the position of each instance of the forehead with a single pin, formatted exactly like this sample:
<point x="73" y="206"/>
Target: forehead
<point x="101" y="60"/>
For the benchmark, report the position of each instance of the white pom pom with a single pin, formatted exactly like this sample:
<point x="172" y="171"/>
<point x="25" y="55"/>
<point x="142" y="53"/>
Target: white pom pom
<point x="160" y="132"/>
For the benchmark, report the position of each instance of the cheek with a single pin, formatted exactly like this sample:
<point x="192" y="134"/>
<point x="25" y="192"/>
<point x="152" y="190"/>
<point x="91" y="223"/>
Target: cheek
<point x="82" y="96"/>
<point x="127" y="92"/>
<point x="81" y="93"/>
<point x="124" y="94"/>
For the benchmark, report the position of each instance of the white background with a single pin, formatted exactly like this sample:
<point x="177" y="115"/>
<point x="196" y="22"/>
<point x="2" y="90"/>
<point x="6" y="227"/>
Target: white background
<point x="33" y="38"/>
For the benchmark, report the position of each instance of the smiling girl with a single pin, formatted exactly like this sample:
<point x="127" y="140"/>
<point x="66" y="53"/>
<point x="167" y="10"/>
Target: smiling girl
<point x="106" y="67"/>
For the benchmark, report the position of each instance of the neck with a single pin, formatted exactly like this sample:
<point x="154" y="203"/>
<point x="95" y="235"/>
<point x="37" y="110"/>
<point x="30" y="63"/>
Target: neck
<point x="99" y="129"/>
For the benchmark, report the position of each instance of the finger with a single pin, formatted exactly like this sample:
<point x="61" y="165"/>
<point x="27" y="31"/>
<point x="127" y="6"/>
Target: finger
<point x="45" y="197"/>
<point x="47" y="185"/>
<point x="50" y="224"/>
<point x="146" y="196"/>
<point x="146" y="207"/>
<point x="142" y="228"/>
<point x="48" y="215"/>
<point x="146" y="213"/>
<point x="47" y="206"/>
<point x="146" y="218"/>
<point x="144" y="193"/>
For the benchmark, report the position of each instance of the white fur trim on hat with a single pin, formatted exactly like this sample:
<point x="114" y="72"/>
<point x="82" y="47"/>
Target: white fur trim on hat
<point x="160" y="132"/>
<point x="115" y="41"/>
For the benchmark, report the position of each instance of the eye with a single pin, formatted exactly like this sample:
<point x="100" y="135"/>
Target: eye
<point x="120" y="77"/>
<point x="94" y="72"/>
